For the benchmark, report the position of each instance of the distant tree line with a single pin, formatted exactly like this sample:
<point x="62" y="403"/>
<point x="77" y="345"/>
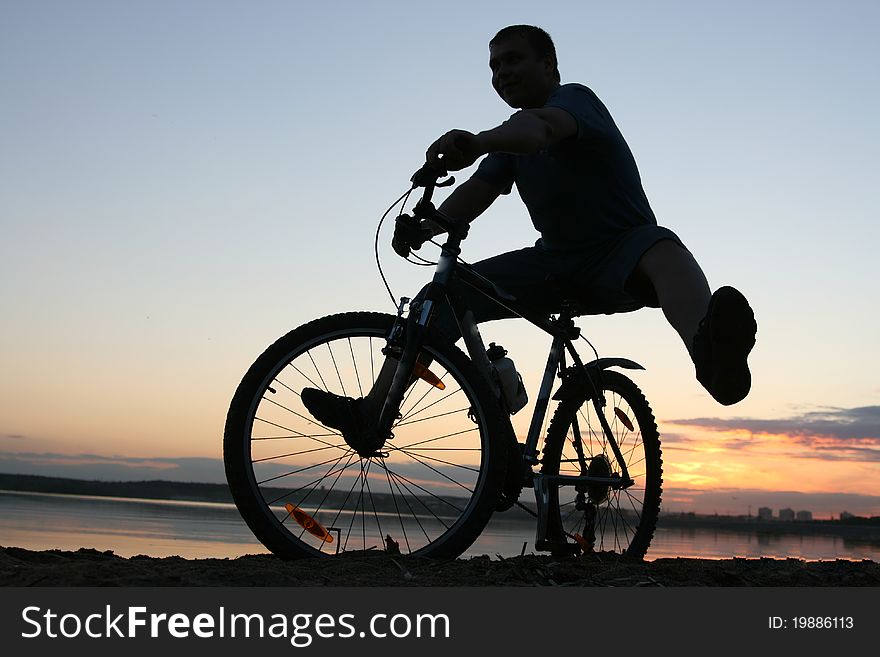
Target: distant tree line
<point x="154" y="490"/>
<point x="193" y="492"/>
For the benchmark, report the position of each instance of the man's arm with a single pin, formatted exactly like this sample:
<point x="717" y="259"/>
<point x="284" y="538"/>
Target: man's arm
<point x="527" y="131"/>
<point x="467" y="201"/>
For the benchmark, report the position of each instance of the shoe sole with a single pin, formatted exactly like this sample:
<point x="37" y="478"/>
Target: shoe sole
<point x="732" y="330"/>
<point x="312" y="399"/>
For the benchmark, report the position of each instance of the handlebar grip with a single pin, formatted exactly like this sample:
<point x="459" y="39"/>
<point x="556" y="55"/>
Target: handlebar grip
<point x="427" y="175"/>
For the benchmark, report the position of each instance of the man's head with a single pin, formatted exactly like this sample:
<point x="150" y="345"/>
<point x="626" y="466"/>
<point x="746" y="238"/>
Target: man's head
<point x="524" y="67"/>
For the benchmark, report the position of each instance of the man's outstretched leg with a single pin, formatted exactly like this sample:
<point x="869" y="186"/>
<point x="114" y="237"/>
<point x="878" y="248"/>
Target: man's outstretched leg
<point x="717" y="329"/>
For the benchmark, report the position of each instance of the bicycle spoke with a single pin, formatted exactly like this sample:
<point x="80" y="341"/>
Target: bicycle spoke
<point x="356" y="504"/>
<point x="436" y="471"/>
<point x="413" y="412"/>
<point x="299" y="415"/>
<point x="431" y="458"/>
<point x="305" y="376"/>
<point x="312" y="435"/>
<point x="397" y="480"/>
<point x="311" y="483"/>
<point x="431" y="440"/>
<point x="396" y="507"/>
<point x="354" y="364"/>
<point x="304" y="469"/>
<point x="319" y="480"/>
<point x="427" y="492"/>
<point x="307" y="451"/>
<point x="372" y="362"/>
<point x="373" y="504"/>
<point x="323" y="383"/>
<point x="342" y="506"/>
<point x="336" y="367"/>
<point x="430" y="417"/>
<point x="330" y="489"/>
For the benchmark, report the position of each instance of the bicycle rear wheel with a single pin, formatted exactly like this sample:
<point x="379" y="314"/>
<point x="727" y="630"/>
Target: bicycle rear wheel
<point x="599" y="517"/>
<point x="304" y="491"/>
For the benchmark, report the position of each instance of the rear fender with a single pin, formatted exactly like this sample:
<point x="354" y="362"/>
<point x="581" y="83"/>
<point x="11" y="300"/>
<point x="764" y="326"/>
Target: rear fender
<point x="577" y="381"/>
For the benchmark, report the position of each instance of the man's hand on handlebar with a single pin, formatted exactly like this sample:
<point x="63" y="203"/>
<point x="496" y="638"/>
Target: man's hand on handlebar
<point x="457" y="149"/>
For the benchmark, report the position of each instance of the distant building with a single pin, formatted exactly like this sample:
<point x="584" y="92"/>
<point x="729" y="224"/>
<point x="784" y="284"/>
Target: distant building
<point x="804" y="516"/>
<point x="765" y="513"/>
<point x="786" y="514"/>
<point x="846" y="515"/>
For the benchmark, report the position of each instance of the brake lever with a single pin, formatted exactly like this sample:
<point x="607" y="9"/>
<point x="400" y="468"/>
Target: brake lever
<point x="426" y="176"/>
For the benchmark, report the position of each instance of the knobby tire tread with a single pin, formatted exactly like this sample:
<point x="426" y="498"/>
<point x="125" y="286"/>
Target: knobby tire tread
<point x="557" y="433"/>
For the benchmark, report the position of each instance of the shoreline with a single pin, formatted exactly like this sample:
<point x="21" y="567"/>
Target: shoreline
<point x="87" y="567"/>
<point x="175" y="493"/>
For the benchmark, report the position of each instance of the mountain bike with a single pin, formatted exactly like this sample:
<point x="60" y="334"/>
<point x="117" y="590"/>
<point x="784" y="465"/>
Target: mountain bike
<point x="441" y="455"/>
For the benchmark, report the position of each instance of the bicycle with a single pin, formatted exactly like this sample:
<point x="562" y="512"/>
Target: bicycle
<point x="442" y="456"/>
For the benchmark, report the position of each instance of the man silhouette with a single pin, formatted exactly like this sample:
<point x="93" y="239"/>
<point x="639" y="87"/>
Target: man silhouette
<point x="599" y="237"/>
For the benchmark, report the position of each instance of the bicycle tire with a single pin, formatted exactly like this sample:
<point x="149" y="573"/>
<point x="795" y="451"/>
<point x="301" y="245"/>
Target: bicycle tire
<point x="430" y="495"/>
<point x="626" y="519"/>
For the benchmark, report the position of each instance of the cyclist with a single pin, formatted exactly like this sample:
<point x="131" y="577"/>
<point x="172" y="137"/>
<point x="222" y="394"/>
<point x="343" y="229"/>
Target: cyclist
<point x="599" y="242"/>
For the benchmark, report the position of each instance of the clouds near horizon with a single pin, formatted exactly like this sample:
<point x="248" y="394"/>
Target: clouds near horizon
<point x="851" y="434"/>
<point x="113" y="468"/>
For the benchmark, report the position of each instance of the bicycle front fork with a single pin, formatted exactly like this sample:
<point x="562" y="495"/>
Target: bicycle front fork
<point x="403" y="345"/>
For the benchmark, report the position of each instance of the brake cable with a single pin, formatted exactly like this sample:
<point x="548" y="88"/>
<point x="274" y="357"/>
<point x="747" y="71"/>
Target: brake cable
<point x="403" y="197"/>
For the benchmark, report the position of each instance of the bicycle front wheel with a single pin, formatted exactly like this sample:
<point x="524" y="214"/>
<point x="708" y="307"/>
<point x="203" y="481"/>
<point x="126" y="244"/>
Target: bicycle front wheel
<point x="601" y="517"/>
<point x="304" y="491"/>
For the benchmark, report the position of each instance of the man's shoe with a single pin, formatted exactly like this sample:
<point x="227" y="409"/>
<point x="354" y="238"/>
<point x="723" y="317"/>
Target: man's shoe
<point x="724" y="339"/>
<point x="335" y="411"/>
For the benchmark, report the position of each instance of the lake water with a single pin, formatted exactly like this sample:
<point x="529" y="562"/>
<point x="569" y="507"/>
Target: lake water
<point x="158" y="528"/>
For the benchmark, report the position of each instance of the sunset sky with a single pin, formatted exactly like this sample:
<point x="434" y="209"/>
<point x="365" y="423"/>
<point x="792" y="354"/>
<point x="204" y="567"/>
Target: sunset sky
<point x="183" y="182"/>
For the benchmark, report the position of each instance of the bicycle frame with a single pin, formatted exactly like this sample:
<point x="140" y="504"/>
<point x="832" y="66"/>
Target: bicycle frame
<point x="407" y="337"/>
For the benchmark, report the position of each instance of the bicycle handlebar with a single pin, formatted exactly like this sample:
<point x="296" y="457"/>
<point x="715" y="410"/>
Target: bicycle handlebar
<point x="407" y="233"/>
<point x="428" y="175"/>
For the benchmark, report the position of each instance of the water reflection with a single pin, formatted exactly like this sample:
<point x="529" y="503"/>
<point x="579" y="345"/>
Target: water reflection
<point x="38" y="521"/>
<point x="127" y="527"/>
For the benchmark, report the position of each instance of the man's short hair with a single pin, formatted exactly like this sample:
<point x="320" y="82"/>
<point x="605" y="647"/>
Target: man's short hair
<point x="539" y="41"/>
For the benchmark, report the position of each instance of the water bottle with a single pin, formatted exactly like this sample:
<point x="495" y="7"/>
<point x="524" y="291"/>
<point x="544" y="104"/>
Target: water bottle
<point x="512" y="389"/>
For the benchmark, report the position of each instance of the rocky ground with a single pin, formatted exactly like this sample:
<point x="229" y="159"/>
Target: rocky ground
<point x="19" y="567"/>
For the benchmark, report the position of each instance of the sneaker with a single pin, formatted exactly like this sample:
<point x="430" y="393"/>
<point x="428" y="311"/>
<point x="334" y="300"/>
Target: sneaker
<point x="335" y="411"/>
<point x="724" y="339"/>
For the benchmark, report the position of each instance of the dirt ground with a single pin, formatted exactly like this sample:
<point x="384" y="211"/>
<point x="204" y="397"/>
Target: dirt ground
<point x="19" y="567"/>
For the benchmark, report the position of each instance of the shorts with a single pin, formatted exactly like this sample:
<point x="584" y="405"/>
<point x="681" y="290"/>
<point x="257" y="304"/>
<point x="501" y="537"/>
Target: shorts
<point x="601" y="281"/>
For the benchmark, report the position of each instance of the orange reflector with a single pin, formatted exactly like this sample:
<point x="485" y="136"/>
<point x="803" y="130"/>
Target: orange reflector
<point x="427" y="375"/>
<point x="624" y="419"/>
<point x="308" y="523"/>
<point x="584" y="543"/>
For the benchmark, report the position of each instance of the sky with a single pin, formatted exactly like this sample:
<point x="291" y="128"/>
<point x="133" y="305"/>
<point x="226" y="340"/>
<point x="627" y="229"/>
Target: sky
<point x="183" y="182"/>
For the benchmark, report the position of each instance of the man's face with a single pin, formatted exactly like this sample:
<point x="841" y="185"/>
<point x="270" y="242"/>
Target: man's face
<point x="521" y="78"/>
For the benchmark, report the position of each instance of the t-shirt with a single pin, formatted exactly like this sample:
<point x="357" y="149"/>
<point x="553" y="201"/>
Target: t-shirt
<point x="583" y="192"/>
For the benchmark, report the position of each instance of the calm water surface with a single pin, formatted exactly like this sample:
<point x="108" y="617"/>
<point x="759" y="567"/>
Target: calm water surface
<point x="39" y="521"/>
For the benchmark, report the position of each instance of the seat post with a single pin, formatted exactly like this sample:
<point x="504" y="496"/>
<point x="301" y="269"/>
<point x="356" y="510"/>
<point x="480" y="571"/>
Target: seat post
<point x="565" y="323"/>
